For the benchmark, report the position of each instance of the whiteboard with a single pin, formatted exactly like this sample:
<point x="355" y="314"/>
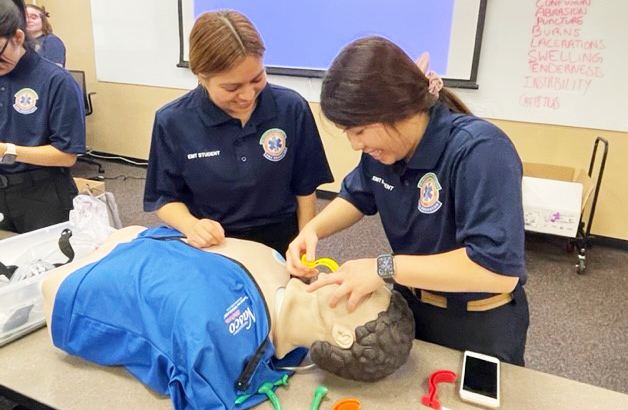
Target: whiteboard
<point x="513" y="87"/>
<point x="137" y="42"/>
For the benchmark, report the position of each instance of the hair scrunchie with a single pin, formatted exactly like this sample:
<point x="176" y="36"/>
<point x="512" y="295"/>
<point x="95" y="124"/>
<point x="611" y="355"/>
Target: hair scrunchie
<point x="435" y="82"/>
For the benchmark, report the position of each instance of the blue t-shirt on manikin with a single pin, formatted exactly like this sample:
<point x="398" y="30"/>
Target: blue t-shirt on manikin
<point x="183" y="321"/>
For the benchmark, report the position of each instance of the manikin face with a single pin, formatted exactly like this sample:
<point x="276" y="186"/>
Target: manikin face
<point x="336" y="325"/>
<point x="11" y="51"/>
<point x="367" y="311"/>
<point x="235" y="90"/>
<point x="33" y="21"/>
<point x="384" y="143"/>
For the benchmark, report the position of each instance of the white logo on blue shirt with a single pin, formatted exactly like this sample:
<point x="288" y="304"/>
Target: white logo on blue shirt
<point x="26" y="101"/>
<point x="243" y="321"/>
<point x="429" y="188"/>
<point x="239" y="316"/>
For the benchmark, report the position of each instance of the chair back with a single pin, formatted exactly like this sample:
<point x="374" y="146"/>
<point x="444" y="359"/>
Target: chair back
<point x="79" y="77"/>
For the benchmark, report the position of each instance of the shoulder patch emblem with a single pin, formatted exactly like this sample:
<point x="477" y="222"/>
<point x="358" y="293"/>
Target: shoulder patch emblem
<point x="26" y="101"/>
<point x="273" y="142"/>
<point x="429" y="188"/>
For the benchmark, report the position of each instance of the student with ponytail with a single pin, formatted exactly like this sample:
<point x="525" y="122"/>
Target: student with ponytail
<point x="447" y="187"/>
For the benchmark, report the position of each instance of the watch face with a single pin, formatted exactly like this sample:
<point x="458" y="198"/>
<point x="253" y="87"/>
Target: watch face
<point x="385" y="266"/>
<point x="8" y="158"/>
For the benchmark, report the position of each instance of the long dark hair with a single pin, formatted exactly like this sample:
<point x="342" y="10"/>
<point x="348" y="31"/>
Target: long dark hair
<point x="12" y="18"/>
<point x="372" y="80"/>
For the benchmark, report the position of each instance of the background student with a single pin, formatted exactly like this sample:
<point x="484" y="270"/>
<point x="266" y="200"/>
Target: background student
<point x="236" y="156"/>
<point x="47" y="44"/>
<point x="42" y="129"/>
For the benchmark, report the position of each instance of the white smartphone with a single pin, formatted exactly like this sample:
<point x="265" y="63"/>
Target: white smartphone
<point x="480" y="380"/>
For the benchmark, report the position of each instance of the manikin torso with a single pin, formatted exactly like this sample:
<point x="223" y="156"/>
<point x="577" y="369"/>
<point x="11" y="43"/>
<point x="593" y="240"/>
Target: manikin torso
<point x="263" y="263"/>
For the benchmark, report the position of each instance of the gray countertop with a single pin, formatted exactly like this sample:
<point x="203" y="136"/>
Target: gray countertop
<point x="32" y="367"/>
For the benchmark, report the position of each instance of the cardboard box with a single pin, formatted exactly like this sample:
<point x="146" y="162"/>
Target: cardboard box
<point x="84" y="185"/>
<point x="554" y="197"/>
<point x="21" y="302"/>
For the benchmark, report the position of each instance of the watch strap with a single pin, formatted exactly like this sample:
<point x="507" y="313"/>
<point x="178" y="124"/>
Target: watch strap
<point x="10" y="154"/>
<point x="10" y="149"/>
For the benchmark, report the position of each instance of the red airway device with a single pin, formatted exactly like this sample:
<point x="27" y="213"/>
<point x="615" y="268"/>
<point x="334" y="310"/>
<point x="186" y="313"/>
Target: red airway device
<point x="439" y="376"/>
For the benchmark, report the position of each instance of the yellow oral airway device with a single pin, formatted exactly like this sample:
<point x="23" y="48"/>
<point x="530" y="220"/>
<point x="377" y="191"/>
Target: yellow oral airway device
<point x="326" y="262"/>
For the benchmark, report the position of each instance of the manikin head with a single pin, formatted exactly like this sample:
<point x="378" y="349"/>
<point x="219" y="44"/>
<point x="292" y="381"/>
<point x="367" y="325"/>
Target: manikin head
<point x="367" y="344"/>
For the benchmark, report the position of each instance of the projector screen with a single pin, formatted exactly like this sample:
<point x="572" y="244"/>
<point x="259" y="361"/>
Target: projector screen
<point x="303" y="37"/>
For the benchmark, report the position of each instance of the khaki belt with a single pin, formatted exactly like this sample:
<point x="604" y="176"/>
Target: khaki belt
<point x="480" y="305"/>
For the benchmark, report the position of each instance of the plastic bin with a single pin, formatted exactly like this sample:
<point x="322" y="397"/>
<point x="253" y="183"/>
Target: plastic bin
<point x="21" y="303"/>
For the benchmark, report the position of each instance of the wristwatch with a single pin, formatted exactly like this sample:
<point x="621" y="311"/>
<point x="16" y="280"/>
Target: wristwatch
<point x="10" y="154"/>
<point x="386" y="267"/>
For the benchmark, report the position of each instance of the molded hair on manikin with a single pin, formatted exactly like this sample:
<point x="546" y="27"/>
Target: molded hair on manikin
<point x="381" y="346"/>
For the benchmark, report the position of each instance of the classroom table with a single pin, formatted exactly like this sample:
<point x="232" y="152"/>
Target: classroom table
<point x="33" y="371"/>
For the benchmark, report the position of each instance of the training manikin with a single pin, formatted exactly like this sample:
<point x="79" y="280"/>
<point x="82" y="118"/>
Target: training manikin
<point x="205" y="326"/>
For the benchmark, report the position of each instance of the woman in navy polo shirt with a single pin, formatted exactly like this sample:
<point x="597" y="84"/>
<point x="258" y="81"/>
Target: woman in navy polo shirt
<point x="447" y="186"/>
<point x="236" y="156"/>
<point x="42" y="129"/>
<point x="46" y="43"/>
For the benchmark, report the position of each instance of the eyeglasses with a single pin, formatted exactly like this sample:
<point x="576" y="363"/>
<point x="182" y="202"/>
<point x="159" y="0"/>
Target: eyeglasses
<point x="2" y="59"/>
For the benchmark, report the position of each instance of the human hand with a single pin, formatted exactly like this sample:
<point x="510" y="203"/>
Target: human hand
<point x="357" y="279"/>
<point x="304" y="243"/>
<point x="204" y="233"/>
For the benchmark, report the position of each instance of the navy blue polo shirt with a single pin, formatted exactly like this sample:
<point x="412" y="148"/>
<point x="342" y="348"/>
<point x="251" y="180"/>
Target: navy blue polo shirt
<point x="40" y="104"/>
<point x="461" y="188"/>
<point x="239" y="176"/>
<point x="51" y="47"/>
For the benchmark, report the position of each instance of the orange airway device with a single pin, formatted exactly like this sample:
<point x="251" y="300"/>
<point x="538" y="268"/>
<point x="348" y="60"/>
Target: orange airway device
<point x="346" y="404"/>
<point x="439" y="376"/>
